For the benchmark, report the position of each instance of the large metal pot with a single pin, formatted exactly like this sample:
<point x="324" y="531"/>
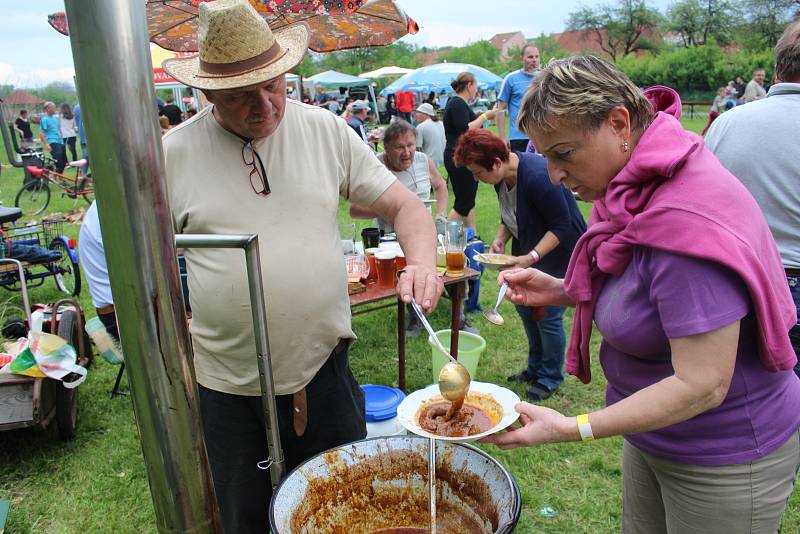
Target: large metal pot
<point x="382" y="483"/>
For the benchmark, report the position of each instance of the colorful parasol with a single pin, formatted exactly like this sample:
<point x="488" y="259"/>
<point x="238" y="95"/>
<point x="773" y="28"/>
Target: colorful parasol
<point x="335" y="24"/>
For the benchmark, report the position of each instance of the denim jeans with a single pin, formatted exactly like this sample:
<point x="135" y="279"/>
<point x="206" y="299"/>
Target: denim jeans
<point x="547" y="344"/>
<point x="794" y="333"/>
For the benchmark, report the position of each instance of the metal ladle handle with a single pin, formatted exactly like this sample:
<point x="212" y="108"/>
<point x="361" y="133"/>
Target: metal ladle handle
<point x="429" y="328"/>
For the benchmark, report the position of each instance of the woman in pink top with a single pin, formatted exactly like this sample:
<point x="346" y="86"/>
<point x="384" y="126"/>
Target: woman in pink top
<point x="681" y="276"/>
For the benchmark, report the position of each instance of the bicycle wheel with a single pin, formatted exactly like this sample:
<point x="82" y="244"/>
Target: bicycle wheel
<point x="86" y="189"/>
<point x="66" y="273"/>
<point x="33" y="198"/>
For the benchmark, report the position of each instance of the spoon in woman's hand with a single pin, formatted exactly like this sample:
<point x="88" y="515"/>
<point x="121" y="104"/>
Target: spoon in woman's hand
<point x="492" y="315"/>
<point x="454" y="378"/>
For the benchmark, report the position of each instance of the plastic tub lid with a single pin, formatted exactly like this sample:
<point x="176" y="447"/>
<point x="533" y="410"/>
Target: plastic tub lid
<point x="381" y="401"/>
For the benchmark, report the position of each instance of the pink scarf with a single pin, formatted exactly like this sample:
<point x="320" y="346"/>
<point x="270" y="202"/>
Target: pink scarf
<point x="674" y="195"/>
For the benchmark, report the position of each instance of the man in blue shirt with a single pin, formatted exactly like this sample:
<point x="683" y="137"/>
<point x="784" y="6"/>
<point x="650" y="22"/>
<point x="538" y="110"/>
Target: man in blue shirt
<point x="360" y="110"/>
<point x="510" y="97"/>
<point x="50" y="134"/>
<point x="76" y="112"/>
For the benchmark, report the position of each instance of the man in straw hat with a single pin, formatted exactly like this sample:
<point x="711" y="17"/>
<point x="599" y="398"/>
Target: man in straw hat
<point x="255" y="162"/>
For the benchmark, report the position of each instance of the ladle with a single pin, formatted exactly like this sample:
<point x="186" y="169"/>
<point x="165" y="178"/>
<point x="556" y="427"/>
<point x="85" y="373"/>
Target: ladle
<point x="454" y="378"/>
<point x="432" y="481"/>
<point x="492" y="315"/>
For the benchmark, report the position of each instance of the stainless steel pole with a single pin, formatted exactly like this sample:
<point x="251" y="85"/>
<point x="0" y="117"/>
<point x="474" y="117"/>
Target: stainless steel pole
<point x="275" y="463"/>
<point x="112" y="64"/>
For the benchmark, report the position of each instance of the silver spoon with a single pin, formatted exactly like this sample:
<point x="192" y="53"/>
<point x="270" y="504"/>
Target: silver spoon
<point x="492" y="315"/>
<point x="432" y="481"/>
<point x="454" y="378"/>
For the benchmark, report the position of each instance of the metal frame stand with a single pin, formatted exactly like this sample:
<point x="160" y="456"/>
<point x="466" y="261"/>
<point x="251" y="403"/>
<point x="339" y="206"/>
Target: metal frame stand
<point x="249" y="243"/>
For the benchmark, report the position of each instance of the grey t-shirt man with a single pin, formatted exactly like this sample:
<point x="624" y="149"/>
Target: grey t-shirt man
<point x="759" y="144"/>
<point x="431" y="139"/>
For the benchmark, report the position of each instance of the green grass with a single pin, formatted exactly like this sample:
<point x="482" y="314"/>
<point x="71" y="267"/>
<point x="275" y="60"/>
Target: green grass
<point x="98" y="483"/>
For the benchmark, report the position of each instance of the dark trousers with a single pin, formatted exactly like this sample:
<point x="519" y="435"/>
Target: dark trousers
<point x="236" y="439"/>
<point x="59" y="153"/>
<point x="70" y="142"/>
<point x="518" y="145"/>
<point x="794" y="333"/>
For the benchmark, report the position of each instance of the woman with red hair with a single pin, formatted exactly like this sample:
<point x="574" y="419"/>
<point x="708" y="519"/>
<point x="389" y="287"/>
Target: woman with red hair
<point x="544" y="223"/>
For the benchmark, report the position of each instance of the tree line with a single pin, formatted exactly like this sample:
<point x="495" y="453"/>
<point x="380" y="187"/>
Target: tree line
<point x="695" y="47"/>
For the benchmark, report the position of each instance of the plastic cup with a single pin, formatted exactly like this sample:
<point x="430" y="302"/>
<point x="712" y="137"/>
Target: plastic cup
<point x="386" y="269"/>
<point x="371" y="237"/>
<point x="372" y="270"/>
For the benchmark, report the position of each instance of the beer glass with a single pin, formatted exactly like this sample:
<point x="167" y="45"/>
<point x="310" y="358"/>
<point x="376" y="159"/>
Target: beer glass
<point x="455" y="240"/>
<point x="386" y="269"/>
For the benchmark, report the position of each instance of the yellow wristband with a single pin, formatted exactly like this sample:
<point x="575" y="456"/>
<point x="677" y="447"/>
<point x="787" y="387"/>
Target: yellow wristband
<point x="584" y="427"/>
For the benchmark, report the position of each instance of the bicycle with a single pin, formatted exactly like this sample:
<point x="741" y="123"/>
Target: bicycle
<point x="34" y="195"/>
<point x="42" y="251"/>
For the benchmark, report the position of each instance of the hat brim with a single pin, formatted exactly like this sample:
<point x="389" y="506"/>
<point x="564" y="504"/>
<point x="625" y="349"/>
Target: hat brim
<point x="294" y="39"/>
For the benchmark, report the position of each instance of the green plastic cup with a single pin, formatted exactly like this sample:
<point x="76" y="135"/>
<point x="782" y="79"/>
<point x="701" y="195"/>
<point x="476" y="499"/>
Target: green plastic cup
<point x="470" y="348"/>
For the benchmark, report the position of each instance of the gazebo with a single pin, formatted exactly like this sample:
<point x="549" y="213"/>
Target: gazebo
<point x="19" y="100"/>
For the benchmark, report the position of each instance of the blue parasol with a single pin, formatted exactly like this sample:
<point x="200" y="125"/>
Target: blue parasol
<point x="437" y="78"/>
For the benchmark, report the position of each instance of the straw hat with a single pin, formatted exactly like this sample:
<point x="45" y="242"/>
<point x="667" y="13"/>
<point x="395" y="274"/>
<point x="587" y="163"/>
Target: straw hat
<point x="237" y="48"/>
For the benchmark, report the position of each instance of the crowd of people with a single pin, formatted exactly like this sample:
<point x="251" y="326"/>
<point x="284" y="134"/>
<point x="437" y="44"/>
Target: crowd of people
<point x="59" y="130"/>
<point x="688" y="266"/>
<point x="737" y="93"/>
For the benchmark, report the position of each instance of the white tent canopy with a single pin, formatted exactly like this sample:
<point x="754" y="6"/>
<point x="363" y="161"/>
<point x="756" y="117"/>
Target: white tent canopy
<point x="385" y="72"/>
<point x="331" y="78"/>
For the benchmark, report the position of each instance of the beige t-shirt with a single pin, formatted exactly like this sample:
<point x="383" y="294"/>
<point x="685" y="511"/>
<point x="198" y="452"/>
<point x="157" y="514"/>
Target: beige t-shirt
<point x="311" y="159"/>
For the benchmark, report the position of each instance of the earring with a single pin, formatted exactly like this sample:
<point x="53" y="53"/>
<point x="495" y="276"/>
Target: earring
<point x="624" y="146"/>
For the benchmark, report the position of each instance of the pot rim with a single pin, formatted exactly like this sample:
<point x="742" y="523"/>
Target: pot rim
<point x="504" y="528"/>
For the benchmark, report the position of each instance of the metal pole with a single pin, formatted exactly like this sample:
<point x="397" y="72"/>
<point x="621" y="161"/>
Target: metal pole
<point x="275" y="463"/>
<point x="112" y="64"/>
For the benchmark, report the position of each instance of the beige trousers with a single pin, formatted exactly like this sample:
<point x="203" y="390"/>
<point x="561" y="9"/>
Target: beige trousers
<point x="663" y="497"/>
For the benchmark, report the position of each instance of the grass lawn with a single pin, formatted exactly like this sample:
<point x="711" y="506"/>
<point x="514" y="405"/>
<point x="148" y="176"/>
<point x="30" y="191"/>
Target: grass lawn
<point x="98" y="483"/>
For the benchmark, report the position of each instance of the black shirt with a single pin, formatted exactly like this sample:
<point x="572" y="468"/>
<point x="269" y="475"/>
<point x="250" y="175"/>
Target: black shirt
<point x="542" y="207"/>
<point x="25" y="127"/>
<point x="456" y="119"/>
<point x="173" y="113"/>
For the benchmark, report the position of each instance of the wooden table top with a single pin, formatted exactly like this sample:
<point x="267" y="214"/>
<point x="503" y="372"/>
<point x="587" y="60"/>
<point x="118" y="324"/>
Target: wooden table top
<point x="375" y="292"/>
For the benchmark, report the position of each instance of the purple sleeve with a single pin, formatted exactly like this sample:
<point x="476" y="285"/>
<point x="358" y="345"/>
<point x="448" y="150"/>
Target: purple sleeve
<point x="692" y="295"/>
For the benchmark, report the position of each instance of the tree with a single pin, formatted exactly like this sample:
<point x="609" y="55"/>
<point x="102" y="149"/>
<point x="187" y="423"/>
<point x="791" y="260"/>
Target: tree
<point x="620" y="29"/>
<point x="766" y="20"/>
<point x="698" y="21"/>
<point x="360" y="60"/>
<point x="480" y="53"/>
<point x="58" y="92"/>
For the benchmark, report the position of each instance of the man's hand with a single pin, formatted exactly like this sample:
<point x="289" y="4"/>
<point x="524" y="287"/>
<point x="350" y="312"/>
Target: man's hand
<point x="424" y="283"/>
<point x="498" y="246"/>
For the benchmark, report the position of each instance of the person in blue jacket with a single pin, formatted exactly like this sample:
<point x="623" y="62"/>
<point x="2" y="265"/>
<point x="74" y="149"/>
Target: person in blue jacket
<point x="543" y="222"/>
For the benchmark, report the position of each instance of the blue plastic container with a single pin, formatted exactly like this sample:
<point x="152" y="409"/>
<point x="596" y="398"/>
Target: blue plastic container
<point x="381" y="404"/>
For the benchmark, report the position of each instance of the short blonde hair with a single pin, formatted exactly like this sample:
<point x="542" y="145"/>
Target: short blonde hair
<point x="580" y="91"/>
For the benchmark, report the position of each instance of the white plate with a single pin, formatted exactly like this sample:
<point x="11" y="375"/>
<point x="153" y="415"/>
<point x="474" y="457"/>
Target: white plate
<point x="498" y="261"/>
<point x="407" y="411"/>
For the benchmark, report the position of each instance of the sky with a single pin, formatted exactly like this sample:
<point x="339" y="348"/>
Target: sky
<point x="32" y="54"/>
